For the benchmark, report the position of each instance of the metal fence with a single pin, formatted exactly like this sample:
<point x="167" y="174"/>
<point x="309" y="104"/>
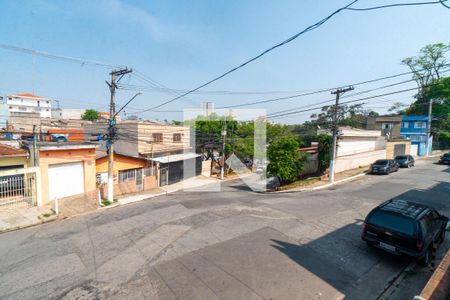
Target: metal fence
<point x="18" y="190"/>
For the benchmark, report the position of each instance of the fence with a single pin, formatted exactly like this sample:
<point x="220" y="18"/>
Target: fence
<point x="20" y="188"/>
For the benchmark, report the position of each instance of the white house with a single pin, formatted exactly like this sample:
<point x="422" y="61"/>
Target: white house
<point x="29" y="103"/>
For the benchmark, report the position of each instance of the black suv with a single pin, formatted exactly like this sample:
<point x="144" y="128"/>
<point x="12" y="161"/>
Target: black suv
<point x="403" y="227"/>
<point x="384" y="166"/>
<point x="445" y="159"/>
<point x="405" y="161"/>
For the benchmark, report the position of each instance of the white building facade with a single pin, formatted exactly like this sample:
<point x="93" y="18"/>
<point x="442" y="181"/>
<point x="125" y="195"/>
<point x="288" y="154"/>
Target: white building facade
<point x="29" y="103"/>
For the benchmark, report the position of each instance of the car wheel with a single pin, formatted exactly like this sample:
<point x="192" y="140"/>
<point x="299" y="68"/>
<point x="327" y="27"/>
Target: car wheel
<point x="387" y="172"/>
<point x="408" y="166"/>
<point x="425" y="260"/>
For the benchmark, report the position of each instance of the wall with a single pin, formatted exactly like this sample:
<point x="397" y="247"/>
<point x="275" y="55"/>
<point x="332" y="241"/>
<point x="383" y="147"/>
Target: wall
<point x="49" y="157"/>
<point x="14" y="161"/>
<point x="390" y="146"/>
<point x="24" y="120"/>
<point x="121" y="162"/>
<point x="353" y="145"/>
<point x="141" y="140"/>
<point x="358" y="160"/>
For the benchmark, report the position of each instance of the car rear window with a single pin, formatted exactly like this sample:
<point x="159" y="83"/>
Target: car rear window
<point x="447" y="155"/>
<point x="402" y="157"/>
<point x="392" y="222"/>
<point x="381" y="162"/>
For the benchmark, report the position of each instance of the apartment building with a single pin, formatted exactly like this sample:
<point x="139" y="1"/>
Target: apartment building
<point x="29" y="103"/>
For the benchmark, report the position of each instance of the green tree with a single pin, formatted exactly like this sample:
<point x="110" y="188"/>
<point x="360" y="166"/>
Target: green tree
<point x="324" y="155"/>
<point x="90" y="115"/>
<point x="286" y="162"/>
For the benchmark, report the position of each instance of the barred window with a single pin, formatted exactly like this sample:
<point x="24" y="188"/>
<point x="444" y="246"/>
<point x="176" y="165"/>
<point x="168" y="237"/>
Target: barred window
<point x="177" y="137"/>
<point x="157" y="137"/>
<point x="127" y="175"/>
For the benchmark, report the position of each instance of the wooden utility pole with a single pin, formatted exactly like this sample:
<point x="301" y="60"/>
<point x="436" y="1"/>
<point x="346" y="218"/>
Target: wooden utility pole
<point x="112" y="128"/>
<point x="335" y="129"/>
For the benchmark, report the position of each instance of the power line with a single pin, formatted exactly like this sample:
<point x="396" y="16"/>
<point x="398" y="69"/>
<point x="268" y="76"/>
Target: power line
<point x="397" y="5"/>
<point x="57" y="57"/>
<point x="309" y="28"/>
<point x="442" y="2"/>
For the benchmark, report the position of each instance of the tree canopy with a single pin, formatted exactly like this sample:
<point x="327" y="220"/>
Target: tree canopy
<point x="90" y="115"/>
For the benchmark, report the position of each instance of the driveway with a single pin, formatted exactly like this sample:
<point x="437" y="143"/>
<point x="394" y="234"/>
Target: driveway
<point x="233" y="244"/>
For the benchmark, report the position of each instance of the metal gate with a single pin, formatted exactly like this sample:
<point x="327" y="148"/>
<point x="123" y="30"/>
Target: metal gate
<point x="139" y="180"/>
<point x="19" y="188"/>
<point x="164" y="176"/>
<point x="399" y="149"/>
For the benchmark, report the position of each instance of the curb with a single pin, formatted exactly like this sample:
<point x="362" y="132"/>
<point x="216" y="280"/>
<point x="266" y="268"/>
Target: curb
<point x="321" y="186"/>
<point x="39" y="222"/>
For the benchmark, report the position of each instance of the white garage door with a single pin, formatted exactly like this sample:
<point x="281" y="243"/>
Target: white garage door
<point x="65" y="180"/>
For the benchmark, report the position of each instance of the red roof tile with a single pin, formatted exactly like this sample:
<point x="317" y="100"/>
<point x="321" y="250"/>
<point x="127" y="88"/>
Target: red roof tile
<point x="27" y="95"/>
<point x="10" y="151"/>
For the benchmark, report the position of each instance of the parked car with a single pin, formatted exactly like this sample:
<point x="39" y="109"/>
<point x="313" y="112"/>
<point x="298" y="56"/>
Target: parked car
<point x="445" y="159"/>
<point x="405" y="161"/>
<point x="405" y="228"/>
<point x="384" y="166"/>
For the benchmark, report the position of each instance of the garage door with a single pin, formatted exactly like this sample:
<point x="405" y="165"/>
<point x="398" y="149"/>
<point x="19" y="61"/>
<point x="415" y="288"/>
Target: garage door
<point x="65" y="180"/>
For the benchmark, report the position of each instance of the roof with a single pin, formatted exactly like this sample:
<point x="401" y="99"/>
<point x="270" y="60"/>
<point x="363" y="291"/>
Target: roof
<point x="43" y="146"/>
<point x="176" y="157"/>
<point x="100" y="153"/>
<point x="27" y="95"/>
<point x="415" y="118"/>
<point x="403" y="207"/>
<point x="10" y="151"/>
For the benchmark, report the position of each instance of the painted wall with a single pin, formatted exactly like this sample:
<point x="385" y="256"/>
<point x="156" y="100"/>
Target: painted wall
<point x="390" y="146"/>
<point x="14" y="161"/>
<point x="358" y="160"/>
<point x="50" y="157"/>
<point x="121" y="162"/>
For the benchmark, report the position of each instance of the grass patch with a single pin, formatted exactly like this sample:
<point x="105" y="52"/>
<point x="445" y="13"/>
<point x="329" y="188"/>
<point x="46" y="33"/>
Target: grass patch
<point x="106" y="202"/>
<point x="299" y="183"/>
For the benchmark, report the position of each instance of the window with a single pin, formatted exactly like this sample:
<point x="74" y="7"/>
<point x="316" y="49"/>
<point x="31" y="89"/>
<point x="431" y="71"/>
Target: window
<point x="405" y="124"/>
<point x="127" y="175"/>
<point x="177" y="137"/>
<point x="157" y="137"/>
<point x="420" y="124"/>
<point x="392" y="222"/>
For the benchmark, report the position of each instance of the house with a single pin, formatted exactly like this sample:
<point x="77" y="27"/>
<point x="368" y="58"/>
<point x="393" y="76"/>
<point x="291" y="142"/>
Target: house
<point x="415" y="128"/>
<point x="67" y="170"/>
<point x="21" y="121"/>
<point x="167" y="145"/>
<point x="12" y="156"/>
<point x="19" y="182"/>
<point x="29" y="103"/>
<point x="358" y="148"/>
<point x="389" y="125"/>
<point x="131" y="174"/>
<point x="4" y="114"/>
<point x="67" y="113"/>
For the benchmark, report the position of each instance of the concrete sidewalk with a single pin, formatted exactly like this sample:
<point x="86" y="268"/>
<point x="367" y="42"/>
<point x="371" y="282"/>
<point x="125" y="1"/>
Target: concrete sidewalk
<point x="11" y="219"/>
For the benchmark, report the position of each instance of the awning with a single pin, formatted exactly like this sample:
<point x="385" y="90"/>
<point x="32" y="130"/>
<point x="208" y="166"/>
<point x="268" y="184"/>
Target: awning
<point x="175" y="157"/>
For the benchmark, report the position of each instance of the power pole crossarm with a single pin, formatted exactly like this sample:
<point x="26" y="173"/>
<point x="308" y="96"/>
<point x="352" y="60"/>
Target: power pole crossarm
<point x="335" y="129"/>
<point x="112" y="128"/>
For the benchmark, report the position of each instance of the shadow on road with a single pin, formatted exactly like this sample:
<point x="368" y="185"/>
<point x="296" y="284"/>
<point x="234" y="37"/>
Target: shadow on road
<point x="343" y="260"/>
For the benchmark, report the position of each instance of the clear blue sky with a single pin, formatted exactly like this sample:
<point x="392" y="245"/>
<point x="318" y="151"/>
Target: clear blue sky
<point x="182" y="44"/>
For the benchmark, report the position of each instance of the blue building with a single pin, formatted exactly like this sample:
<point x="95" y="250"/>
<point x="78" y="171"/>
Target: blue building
<point x="415" y="129"/>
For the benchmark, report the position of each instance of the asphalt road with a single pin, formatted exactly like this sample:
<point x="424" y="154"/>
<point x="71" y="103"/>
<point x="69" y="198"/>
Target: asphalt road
<point x="235" y="244"/>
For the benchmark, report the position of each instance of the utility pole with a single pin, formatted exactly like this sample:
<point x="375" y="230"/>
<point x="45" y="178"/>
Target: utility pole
<point x="35" y="152"/>
<point x="112" y="128"/>
<point x="430" y="108"/>
<point x="224" y="136"/>
<point x="335" y="129"/>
